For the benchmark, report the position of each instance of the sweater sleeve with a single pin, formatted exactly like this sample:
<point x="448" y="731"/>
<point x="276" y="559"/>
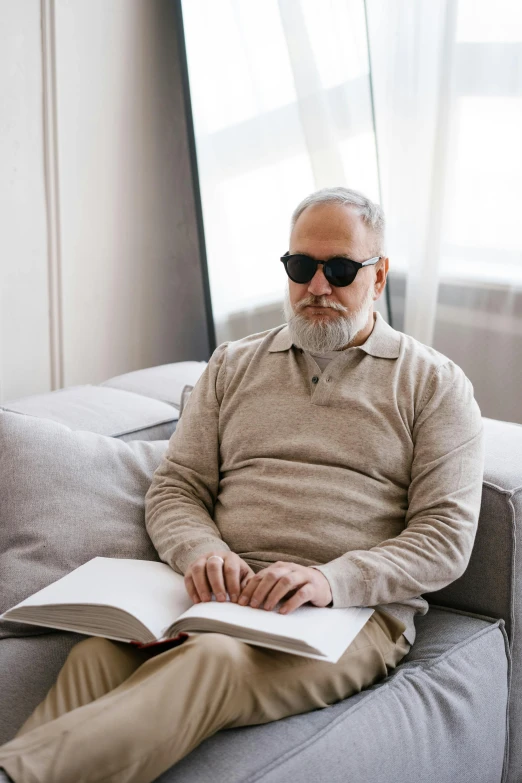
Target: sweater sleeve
<point x="444" y="500"/>
<point x="180" y="500"/>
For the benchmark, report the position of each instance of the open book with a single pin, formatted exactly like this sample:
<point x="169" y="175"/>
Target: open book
<point x="145" y="602"/>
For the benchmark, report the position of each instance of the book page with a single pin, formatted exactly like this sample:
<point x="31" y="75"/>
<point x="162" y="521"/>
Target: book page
<point x="149" y="590"/>
<point x="331" y="648"/>
<point x="325" y="629"/>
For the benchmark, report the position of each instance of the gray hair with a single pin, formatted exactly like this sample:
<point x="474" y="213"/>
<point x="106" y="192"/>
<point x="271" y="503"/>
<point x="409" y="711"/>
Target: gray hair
<point x="371" y="214"/>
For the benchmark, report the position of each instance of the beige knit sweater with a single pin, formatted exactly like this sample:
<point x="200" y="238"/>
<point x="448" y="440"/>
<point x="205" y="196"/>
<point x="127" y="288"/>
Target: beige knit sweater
<point x="370" y="471"/>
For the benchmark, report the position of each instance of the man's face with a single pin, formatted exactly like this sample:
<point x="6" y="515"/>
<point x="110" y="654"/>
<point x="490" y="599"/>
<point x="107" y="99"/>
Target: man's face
<point x="320" y="316"/>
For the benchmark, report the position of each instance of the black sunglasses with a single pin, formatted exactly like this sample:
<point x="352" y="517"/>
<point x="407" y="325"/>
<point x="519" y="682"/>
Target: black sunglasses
<point x="338" y="271"/>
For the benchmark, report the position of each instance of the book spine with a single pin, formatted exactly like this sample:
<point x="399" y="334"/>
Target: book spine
<point x="166" y="643"/>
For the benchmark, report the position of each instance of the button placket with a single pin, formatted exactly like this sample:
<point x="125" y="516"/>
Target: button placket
<point x="325" y="388"/>
<point x="320" y="388"/>
<point x="330" y="378"/>
<point x="314" y="375"/>
<point x="317" y="390"/>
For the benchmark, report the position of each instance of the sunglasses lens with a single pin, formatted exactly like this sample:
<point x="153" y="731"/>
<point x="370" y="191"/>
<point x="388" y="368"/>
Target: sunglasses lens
<point x="340" y="272"/>
<point x="300" y="269"/>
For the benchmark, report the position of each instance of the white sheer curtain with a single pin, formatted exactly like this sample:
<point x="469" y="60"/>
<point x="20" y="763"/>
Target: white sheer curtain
<point x="282" y="106"/>
<point x="411" y="46"/>
<point x="447" y="80"/>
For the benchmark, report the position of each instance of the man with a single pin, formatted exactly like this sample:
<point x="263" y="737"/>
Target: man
<point x="331" y="461"/>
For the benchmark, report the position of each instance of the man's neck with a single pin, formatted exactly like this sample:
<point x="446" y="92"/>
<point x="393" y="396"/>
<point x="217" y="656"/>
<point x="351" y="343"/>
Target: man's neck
<point x="362" y="336"/>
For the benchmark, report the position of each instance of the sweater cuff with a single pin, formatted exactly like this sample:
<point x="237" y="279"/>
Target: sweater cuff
<point x="192" y="554"/>
<point x="346" y="582"/>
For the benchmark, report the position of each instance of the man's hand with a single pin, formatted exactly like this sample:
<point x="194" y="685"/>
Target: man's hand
<point x="273" y="583"/>
<point x="202" y="578"/>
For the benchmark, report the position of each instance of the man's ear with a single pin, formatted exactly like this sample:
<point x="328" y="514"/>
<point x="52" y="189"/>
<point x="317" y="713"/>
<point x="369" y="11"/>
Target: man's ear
<point x="381" y="273"/>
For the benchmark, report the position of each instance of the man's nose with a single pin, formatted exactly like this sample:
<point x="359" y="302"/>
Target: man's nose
<point x="319" y="285"/>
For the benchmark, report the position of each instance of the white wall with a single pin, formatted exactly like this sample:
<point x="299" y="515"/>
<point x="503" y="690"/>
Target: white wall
<point x="100" y="258"/>
<point x="24" y="300"/>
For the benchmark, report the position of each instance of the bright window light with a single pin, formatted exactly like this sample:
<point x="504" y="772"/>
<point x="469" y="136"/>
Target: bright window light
<point x="255" y="235"/>
<point x="334" y="28"/>
<point x="239" y="65"/>
<point x="489" y="21"/>
<point x="485" y="201"/>
<point x="360" y="163"/>
<point x="259" y="144"/>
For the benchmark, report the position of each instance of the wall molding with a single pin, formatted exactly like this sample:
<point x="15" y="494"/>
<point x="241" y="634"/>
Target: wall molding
<point x="52" y="192"/>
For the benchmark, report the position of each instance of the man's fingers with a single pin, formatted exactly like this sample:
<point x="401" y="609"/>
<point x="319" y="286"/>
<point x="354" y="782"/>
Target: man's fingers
<point x="231" y="572"/>
<point x="260" y="585"/>
<point x="248" y="588"/>
<point x="302" y="596"/>
<point x="283" y="590"/>
<point x="191" y="589"/>
<point x="198" y="573"/>
<point x="216" y="578"/>
<point x="270" y="585"/>
<point x="209" y="575"/>
<point x="267" y="584"/>
<point x="245" y="581"/>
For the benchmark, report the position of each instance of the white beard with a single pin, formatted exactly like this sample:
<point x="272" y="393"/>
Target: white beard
<point x="328" y="334"/>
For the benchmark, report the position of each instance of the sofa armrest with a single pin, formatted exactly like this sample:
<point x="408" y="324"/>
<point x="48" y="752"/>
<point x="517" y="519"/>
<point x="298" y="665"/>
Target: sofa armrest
<point x="492" y="582"/>
<point x="164" y="382"/>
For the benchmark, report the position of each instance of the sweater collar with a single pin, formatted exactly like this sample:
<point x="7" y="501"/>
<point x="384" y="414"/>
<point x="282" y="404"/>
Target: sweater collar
<point x="384" y="341"/>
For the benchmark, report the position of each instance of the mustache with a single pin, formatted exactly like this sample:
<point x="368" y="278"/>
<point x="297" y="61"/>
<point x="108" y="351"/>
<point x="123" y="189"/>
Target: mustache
<point x="319" y="301"/>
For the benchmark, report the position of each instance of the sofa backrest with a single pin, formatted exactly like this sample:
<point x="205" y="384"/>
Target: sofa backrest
<point x="104" y="410"/>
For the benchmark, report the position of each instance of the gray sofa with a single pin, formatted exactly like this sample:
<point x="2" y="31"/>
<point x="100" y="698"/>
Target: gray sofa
<point x="450" y="713"/>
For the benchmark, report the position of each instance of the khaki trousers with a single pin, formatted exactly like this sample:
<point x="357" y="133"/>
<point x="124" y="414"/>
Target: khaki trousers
<point x="118" y="714"/>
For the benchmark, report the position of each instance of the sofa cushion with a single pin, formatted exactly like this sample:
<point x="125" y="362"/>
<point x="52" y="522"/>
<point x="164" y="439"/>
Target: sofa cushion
<point x="100" y="409"/>
<point x="164" y="382"/>
<point x="67" y="497"/>
<point x="436" y="717"/>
